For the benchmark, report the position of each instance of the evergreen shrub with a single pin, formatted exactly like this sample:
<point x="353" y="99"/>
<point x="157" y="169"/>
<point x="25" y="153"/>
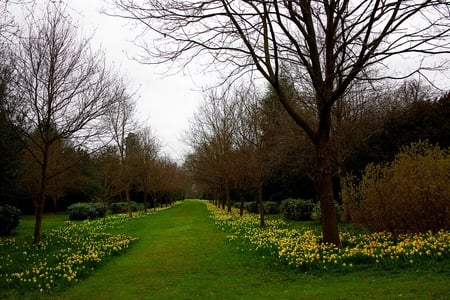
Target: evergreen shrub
<point x="82" y="211"/>
<point x="298" y="209"/>
<point x="271" y="208"/>
<point x="122" y="207"/>
<point x="9" y="219"/>
<point x="252" y="207"/>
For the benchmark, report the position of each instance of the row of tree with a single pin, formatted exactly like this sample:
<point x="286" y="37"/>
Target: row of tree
<point x="67" y="119"/>
<point x="245" y="145"/>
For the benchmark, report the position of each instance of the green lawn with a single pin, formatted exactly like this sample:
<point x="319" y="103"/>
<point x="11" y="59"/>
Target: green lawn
<point x="181" y="255"/>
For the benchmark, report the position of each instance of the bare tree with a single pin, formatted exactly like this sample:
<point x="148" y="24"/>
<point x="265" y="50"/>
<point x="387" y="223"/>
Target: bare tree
<point x="145" y="159"/>
<point x="106" y="163"/>
<point x="163" y="178"/>
<point x="121" y="124"/>
<point x="259" y="149"/>
<point x="63" y="89"/>
<point x="329" y="44"/>
<point x="213" y="134"/>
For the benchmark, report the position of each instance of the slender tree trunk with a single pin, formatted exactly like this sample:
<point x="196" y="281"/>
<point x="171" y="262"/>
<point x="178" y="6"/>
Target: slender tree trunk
<point x="38" y="221"/>
<point x="127" y="194"/>
<point x="262" y="222"/>
<point x="40" y="204"/>
<point x="241" y="207"/>
<point x="218" y="199"/>
<point x="324" y="192"/>
<point x="145" y="199"/>
<point x="227" y="194"/>
<point x="154" y="201"/>
<point x="105" y="207"/>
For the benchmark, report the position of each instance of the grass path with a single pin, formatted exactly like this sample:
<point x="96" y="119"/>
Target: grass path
<point x="181" y="255"/>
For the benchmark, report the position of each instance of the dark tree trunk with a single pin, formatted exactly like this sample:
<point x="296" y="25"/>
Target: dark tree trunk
<point x="145" y="200"/>
<point x="262" y="222"/>
<point x="127" y="193"/>
<point x="241" y="207"/>
<point x="40" y="204"/>
<point x="227" y="194"/>
<point x="38" y="220"/>
<point x="324" y="193"/>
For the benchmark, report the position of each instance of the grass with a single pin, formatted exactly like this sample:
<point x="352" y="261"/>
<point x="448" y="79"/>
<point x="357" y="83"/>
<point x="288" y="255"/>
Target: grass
<point x="180" y="254"/>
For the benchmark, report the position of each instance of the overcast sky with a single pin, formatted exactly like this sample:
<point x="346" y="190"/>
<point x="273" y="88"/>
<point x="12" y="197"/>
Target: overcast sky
<point x="166" y="103"/>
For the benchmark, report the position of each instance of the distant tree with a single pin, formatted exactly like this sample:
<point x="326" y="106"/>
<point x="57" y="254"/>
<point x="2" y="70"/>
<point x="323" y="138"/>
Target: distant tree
<point x="144" y="160"/>
<point x="327" y="45"/>
<point x="120" y="123"/>
<point x="106" y="176"/>
<point x="62" y="87"/>
<point x="261" y="155"/>
<point x="163" y="177"/>
<point x="213" y="135"/>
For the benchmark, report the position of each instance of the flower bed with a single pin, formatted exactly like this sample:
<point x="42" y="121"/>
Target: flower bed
<point x="65" y="254"/>
<point x="304" y="249"/>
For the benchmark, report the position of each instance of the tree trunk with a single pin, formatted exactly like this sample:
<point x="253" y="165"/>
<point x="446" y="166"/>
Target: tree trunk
<point x="262" y="222"/>
<point x="241" y="207"/>
<point x="40" y="204"/>
<point x="324" y="193"/>
<point x="227" y="194"/>
<point x="38" y="221"/>
<point x="127" y="193"/>
<point x="145" y="200"/>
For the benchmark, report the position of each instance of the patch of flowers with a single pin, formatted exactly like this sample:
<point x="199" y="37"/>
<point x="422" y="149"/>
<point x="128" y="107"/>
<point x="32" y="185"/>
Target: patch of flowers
<point x="65" y="254"/>
<point x="304" y="248"/>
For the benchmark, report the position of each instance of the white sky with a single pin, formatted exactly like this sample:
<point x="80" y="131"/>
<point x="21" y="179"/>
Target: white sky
<point x="165" y="103"/>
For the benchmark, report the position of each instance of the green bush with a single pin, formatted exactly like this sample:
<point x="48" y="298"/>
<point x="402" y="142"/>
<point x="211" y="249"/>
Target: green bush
<point x="298" y="209"/>
<point x="271" y="208"/>
<point x="82" y="211"/>
<point x="122" y="207"/>
<point x="252" y="207"/>
<point x="285" y="202"/>
<point x="410" y="194"/>
<point x="9" y="219"/>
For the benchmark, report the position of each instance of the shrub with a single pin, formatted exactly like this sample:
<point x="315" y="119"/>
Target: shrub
<point x="299" y="209"/>
<point x="410" y="194"/>
<point x="82" y="211"/>
<point x="285" y="202"/>
<point x="9" y="219"/>
<point x="271" y="208"/>
<point x="252" y="207"/>
<point x="122" y="207"/>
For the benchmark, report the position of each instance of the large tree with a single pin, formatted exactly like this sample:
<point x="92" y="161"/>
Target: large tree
<point x="63" y="88"/>
<point x="327" y="44"/>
